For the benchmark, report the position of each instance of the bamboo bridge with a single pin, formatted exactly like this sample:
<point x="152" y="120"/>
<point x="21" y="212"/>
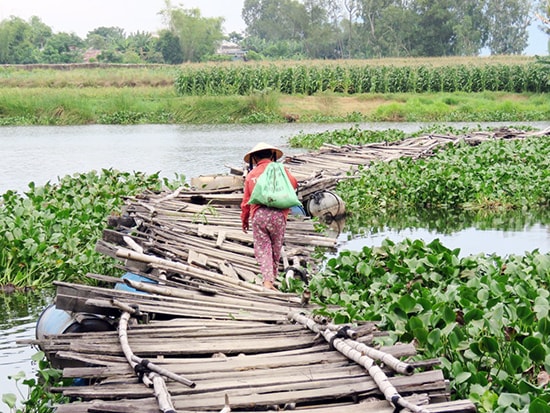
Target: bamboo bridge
<point x="189" y="328"/>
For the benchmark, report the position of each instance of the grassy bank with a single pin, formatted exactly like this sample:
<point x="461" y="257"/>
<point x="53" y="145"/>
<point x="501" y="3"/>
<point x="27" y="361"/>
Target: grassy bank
<point x="147" y="95"/>
<point x="161" y="105"/>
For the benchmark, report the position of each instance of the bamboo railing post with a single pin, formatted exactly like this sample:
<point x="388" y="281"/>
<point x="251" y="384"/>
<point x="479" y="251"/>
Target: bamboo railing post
<point x="379" y="377"/>
<point x="152" y="377"/>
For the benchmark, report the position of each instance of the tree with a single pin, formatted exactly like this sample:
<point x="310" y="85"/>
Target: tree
<point x="508" y="23"/>
<point x="275" y="20"/>
<point x="142" y="44"/>
<point x="471" y="27"/>
<point x="433" y="33"/>
<point x="62" y="48"/>
<point x="235" y="37"/>
<point x="16" y="46"/>
<point x="352" y="9"/>
<point x="39" y="32"/>
<point x="543" y="14"/>
<point x="386" y="28"/>
<point x="169" y="46"/>
<point x="302" y="27"/>
<point x="198" y="36"/>
<point x="110" y="39"/>
<point x="372" y="25"/>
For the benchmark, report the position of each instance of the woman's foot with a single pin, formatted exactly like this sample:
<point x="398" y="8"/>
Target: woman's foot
<point x="269" y="285"/>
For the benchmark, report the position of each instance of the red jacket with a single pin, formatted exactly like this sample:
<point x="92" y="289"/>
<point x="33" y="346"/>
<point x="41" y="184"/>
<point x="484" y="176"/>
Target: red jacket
<point x="247" y="211"/>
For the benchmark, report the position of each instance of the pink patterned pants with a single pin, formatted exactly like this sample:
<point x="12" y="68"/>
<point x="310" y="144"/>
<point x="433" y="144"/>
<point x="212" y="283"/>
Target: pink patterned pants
<point x="268" y="230"/>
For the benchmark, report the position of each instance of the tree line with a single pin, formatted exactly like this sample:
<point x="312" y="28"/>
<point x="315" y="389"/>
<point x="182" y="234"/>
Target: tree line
<point x="293" y="29"/>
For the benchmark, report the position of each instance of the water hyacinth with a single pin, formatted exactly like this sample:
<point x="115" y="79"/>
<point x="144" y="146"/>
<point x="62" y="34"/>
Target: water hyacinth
<point x="49" y="233"/>
<point x="486" y="318"/>
<point x="495" y="175"/>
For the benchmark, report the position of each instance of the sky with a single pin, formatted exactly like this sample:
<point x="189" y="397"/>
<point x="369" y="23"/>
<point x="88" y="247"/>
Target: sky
<point x="82" y="16"/>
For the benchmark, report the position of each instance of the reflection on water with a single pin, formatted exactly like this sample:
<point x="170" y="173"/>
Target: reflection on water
<point x="45" y="153"/>
<point x="17" y="322"/>
<point x="506" y="233"/>
<point x="470" y="241"/>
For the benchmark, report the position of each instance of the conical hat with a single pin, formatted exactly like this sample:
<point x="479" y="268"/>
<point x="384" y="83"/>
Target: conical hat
<point x="260" y="147"/>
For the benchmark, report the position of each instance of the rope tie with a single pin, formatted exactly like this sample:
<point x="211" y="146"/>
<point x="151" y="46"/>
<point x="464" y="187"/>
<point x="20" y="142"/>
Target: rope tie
<point x="141" y="368"/>
<point x="394" y="400"/>
<point x="341" y="333"/>
<point x="137" y="312"/>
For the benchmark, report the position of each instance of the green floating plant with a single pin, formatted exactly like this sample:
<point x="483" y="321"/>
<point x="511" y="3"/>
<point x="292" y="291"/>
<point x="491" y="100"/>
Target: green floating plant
<point x="485" y="317"/>
<point x="49" y="233"/>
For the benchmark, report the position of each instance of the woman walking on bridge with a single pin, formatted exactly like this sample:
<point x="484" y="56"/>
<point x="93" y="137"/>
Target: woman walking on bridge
<point x="268" y="224"/>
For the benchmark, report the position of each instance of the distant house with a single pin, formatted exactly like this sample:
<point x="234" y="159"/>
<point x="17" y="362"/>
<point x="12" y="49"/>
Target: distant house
<point x="231" y="49"/>
<point x="91" y="55"/>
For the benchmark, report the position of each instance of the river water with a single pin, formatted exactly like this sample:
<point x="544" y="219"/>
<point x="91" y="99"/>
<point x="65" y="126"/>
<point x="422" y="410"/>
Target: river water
<point x="42" y="154"/>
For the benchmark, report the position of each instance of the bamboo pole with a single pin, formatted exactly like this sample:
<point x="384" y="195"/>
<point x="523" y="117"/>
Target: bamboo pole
<point x="216" y="302"/>
<point x="380" y="378"/>
<point x="229" y="282"/>
<point x="163" y="372"/>
<point x="151" y="373"/>
<point x="389" y="360"/>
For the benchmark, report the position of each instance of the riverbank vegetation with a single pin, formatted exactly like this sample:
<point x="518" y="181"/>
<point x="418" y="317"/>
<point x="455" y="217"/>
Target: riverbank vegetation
<point x="417" y="90"/>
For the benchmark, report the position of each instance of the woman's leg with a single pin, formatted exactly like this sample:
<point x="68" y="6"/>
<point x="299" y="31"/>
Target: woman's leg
<point x="268" y="229"/>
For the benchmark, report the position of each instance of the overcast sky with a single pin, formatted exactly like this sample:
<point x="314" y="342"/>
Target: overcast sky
<point x="82" y="16"/>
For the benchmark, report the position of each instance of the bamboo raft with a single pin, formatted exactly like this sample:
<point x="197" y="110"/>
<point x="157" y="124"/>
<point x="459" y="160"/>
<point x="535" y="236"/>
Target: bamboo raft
<point x="203" y="335"/>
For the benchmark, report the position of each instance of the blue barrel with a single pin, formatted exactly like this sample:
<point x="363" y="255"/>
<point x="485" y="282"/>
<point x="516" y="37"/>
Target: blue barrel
<point x="54" y="321"/>
<point x="298" y="210"/>
<point x="133" y="277"/>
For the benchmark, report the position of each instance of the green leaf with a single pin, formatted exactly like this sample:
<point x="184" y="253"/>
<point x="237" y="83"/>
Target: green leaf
<point x="449" y="315"/>
<point x="421" y="335"/>
<point x="488" y="344"/>
<point x="475" y="314"/>
<point x="544" y="326"/>
<point x="415" y="322"/>
<point x="537" y="353"/>
<point x="475" y="348"/>
<point x="407" y="303"/>
<point x="434" y="337"/>
<point x="541" y="307"/>
<point x="516" y="362"/>
<point x="18" y="376"/>
<point x="538" y="405"/>
<point x="463" y="377"/>
<point x="10" y="399"/>
<point x="531" y="342"/>
<point x="38" y="356"/>
<point x="512" y="400"/>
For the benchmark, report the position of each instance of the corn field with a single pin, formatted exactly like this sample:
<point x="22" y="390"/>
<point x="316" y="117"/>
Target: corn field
<point x="310" y="79"/>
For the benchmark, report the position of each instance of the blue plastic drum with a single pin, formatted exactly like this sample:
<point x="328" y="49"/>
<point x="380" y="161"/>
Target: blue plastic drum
<point x="133" y="277"/>
<point x="54" y="321"/>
